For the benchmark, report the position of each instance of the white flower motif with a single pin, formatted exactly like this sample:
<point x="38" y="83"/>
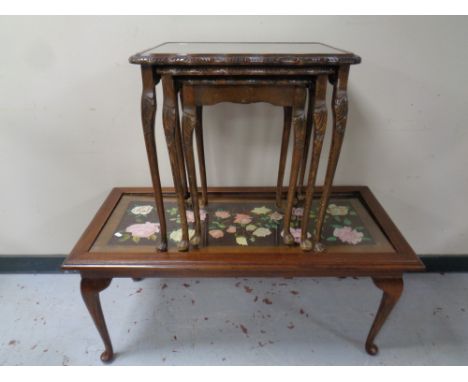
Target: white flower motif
<point x="142" y="210"/>
<point x="337" y="210"/>
<point x="261" y="210"/>
<point x="177" y="234"/>
<point x="261" y="232"/>
<point x="241" y="240"/>
<point x="251" y="227"/>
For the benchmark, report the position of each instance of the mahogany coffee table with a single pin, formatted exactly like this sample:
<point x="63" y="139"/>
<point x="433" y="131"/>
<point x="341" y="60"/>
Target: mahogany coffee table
<point x="241" y="237"/>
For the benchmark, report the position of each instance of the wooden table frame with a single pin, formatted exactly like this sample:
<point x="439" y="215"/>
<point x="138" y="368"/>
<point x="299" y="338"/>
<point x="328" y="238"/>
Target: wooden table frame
<point x="99" y="268"/>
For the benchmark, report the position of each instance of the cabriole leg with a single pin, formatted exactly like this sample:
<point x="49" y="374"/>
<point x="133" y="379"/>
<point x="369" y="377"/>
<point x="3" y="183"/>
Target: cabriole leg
<point x="201" y="154"/>
<point x="170" y="127"/>
<point x="308" y="134"/>
<point x="283" y="154"/>
<point x="392" y="289"/>
<point x="90" y="289"/>
<point x="188" y="126"/>
<point x="298" y="125"/>
<point x="148" y="113"/>
<point x="320" y="125"/>
<point x="340" y="115"/>
<point x="180" y="152"/>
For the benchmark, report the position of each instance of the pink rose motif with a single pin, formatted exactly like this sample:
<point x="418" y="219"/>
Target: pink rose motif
<point x="348" y="235"/>
<point x="222" y="214"/>
<point x="143" y="230"/>
<point x="242" y="219"/>
<point x="231" y="229"/>
<point x="296" y="232"/>
<point x="298" y="211"/>
<point x="202" y="215"/>
<point x="216" y="233"/>
<point x="191" y="216"/>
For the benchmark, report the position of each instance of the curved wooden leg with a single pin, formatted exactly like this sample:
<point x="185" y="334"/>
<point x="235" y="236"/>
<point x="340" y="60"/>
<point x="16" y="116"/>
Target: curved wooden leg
<point x="148" y="112"/>
<point x="308" y="135"/>
<point x="201" y="154"/>
<point x="180" y="153"/>
<point x="170" y="129"/>
<point x="340" y="115"/>
<point x="283" y="154"/>
<point x="298" y="125"/>
<point x="392" y="289"/>
<point x="188" y="126"/>
<point x="90" y="289"/>
<point x="320" y="125"/>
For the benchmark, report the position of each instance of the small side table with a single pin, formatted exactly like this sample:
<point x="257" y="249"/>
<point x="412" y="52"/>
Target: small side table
<point x="209" y="73"/>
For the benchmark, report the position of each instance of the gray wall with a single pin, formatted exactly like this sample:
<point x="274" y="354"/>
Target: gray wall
<point x="70" y="125"/>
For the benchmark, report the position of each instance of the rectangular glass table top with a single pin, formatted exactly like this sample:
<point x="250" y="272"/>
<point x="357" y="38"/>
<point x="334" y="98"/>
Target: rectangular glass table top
<point x="200" y="53"/>
<point x="240" y="223"/>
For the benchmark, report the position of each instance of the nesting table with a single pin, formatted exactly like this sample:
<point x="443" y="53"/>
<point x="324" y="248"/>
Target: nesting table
<point x="298" y="230"/>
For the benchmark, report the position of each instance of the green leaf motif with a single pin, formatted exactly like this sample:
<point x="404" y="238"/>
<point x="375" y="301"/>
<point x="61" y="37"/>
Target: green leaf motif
<point x="136" y="239"/>
<point x="172" y="211"/>
<point x="331" y="238"/>
<point x="346" y="221"/>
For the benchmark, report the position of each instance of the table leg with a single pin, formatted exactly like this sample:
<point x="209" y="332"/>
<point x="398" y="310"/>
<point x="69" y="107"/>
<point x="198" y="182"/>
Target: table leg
<point x="189" y="122"/>
<point x="170" y="127"/>
<point x="283" y="154"/>
<point x="90" y="289"/>
<point x="392" y="289"/>
<point x="340" y="114"/>
<point x="201" y="154"/>
<point x="180" y="152"/>
<point x="308" y="134"/>
<point x="148" y="113"/>
<point x="319" y="107"/>
<point x="298" y="124"/>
